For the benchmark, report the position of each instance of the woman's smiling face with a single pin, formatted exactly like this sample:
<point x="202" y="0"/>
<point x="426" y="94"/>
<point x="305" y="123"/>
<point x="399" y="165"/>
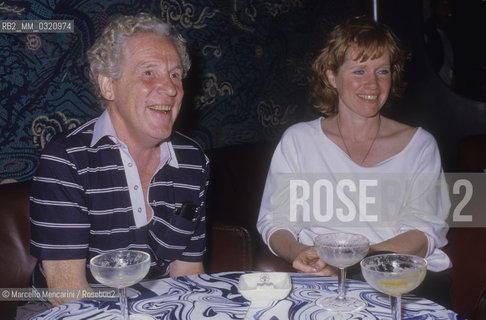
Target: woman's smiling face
<point x="363" y="86"/>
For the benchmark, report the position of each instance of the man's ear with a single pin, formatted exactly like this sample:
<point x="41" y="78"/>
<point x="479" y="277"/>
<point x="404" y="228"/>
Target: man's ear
<point x="331" y="77"/>
<point x="106" y="87"/>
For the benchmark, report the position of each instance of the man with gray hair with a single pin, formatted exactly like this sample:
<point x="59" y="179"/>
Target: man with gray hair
<point x="124" y="180"/>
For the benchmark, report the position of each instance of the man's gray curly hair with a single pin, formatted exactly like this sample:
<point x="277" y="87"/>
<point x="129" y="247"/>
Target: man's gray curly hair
<point x="106" y="54"/>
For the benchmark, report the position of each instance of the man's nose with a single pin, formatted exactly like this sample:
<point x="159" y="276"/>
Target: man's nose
<point x="166" y="85"/>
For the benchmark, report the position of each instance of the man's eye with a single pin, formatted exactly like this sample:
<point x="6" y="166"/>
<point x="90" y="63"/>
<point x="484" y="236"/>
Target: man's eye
<point x="176" y="75"/>
<point x="148" y="73"/>
<point x="359" y="72"/>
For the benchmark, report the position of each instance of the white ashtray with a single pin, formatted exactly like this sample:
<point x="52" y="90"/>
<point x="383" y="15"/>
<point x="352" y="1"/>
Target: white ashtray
<point x="265" y="286"/>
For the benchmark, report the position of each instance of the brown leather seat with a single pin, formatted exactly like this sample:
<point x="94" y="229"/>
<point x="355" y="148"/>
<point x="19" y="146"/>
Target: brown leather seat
<point x="236" y="186"/>
<point x="480" y="310"/>
<point x="16" y="264"/>
<point x="268" y="262"/>
<point x="233" y="241"/>
<point x="468" y="289"/>
<point x="229" y="248"/>
<point x="467" y="273"/>
<point x="472" y="154"/>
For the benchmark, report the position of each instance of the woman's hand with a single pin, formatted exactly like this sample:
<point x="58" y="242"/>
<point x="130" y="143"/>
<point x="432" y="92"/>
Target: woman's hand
<point x="303" y="258"/>
<point x="307" y="261"/>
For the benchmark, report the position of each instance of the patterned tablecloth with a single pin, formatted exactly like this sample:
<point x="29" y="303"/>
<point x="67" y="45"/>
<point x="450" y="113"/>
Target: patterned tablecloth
<point x="216" y="296"/>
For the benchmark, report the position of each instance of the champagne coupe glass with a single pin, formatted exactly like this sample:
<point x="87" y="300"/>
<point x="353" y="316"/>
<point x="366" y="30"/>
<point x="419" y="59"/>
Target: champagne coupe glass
<point x="341" y="250"/>
<point x="120" y="269"/>
<point x="394" y="274"/>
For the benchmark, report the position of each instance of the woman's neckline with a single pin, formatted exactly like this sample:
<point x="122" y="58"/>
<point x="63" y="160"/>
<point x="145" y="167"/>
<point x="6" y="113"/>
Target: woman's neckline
<point x="378" y="164"/>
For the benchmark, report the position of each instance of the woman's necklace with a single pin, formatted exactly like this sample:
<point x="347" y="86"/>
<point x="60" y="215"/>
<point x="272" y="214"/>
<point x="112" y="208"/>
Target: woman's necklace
<point x="371" y="145"/>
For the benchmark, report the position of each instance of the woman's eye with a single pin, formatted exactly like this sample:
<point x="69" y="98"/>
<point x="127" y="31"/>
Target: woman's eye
<point x="384" y="72"/>
<point x="359" y="72"/>
<point x="148" y="73"/>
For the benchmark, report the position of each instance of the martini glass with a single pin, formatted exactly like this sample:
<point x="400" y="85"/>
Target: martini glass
<point x="394" y="274"/>
<point x="120" y="269"/>
<point x="341" y="250"/>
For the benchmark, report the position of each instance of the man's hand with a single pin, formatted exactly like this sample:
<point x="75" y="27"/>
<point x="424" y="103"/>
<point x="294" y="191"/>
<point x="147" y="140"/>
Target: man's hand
<point x="180" y="268"/>
<point x="307" y="261"/>
<point x="65" y="274"/>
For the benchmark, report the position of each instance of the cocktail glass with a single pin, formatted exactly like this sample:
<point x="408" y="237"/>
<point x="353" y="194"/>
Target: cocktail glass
<point x="394" y="274"/>
<point x="120" y="269"/>
<point x="341" y="250"/>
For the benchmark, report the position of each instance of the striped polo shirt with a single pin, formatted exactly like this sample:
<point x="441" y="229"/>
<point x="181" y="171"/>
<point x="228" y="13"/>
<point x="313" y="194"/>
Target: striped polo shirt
<point x="86" y="199"/>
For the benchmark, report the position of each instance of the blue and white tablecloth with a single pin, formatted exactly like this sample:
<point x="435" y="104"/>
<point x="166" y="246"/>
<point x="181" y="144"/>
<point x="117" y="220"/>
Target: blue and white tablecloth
<point x="216" y="296"/>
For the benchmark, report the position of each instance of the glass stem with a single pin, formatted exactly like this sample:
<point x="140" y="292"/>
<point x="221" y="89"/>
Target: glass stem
<point x="341" y="289"/>
<point x="122" y="292"/>
<point x="396" y="307"/>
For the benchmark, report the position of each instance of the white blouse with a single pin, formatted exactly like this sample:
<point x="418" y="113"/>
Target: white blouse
<point x="314" y="187"/>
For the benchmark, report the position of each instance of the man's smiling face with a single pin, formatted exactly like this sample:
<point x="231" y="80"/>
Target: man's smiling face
<point x="145" y="101"/>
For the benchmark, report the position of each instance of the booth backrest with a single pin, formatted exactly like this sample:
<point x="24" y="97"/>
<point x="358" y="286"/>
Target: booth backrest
<point x="472" y="154"/>
<point x="238" y="176"/>
<point x="230" y="246"/>
<point x="466" y="245"/>
<point x="16" y="264"/>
